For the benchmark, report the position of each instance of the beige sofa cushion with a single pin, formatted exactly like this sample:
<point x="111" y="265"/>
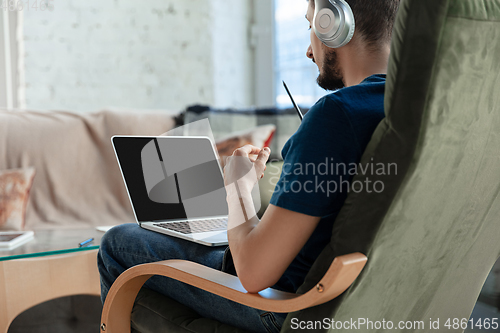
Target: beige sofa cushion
<point x="78" y="182"/>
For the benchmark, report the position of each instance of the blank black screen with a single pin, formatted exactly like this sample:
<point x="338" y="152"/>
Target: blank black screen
<point x="199" y="188"/>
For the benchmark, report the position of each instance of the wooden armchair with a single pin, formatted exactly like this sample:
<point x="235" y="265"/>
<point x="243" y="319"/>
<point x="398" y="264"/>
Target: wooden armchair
<point x="120" y="300"/>
<point x="431" y="235"/>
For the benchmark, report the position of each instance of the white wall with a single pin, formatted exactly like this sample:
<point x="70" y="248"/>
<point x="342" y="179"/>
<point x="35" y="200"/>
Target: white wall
<point x="232" y="54"/>
<point x="155" y="54"/>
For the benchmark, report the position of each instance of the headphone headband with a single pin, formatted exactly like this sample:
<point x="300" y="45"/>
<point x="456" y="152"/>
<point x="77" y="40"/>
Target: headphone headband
<point x="333" y="22"/>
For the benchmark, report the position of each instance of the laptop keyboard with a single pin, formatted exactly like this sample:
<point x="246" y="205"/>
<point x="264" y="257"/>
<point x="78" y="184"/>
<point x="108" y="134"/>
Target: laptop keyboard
<point x="192" y="227"/>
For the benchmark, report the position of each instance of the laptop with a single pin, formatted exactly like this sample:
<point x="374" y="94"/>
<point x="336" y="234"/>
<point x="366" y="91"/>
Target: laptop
<point x="175" y="186"/>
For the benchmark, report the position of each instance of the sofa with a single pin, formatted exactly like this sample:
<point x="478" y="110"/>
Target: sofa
<point x="77" y="181"/>
<point x="77" y="184"/>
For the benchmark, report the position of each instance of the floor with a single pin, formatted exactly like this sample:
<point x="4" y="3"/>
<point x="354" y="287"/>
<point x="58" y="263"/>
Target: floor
<point x="488" y="304"/>
<point x="484" y="311"/>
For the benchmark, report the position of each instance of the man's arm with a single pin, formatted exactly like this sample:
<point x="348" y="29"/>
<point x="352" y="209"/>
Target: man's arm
<point x="262" y="250"/>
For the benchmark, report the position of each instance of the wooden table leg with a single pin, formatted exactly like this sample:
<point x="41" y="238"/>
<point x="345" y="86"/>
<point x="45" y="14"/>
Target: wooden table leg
<point x="25" y="283"/>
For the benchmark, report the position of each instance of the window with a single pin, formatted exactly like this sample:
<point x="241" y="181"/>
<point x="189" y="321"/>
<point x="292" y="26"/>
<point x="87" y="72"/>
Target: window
<point x="9" y="76"/>
<point x="291" y="64"/>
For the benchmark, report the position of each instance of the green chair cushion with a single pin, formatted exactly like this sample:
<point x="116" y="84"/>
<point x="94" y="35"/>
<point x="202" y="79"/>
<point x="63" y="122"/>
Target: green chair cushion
<point x="431" y="237"/>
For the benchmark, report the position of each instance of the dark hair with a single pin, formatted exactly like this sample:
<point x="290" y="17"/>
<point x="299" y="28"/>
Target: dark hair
<point x="374" y="19"/>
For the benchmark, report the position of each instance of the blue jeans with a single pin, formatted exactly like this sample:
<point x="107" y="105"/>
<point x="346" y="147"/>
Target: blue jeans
<point x="128" y="245"/>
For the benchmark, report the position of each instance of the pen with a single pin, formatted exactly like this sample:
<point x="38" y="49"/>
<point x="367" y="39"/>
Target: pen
<point x="85" y="242"/>
<point x="293" y="102"/>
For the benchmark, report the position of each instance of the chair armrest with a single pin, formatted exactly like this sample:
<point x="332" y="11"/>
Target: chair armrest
<point x="120" y="299"/>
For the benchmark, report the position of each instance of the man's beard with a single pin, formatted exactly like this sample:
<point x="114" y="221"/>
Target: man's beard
<point x="330" y="77"/>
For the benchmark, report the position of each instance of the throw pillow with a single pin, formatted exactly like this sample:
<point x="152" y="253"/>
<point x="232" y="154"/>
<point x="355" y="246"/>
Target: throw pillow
<point x="15" y="186"/>
<point x="259" y="136"/>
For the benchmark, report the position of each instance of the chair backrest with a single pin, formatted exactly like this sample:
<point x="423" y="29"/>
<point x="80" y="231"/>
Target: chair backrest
<point x="432" y="235"/>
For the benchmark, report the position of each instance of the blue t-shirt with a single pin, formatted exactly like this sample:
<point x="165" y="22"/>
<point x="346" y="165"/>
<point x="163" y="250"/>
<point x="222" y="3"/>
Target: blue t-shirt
<point x="319" y="161"/>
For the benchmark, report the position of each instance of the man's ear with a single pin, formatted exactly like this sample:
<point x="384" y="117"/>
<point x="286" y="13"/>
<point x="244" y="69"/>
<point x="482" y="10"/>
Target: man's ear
<point x="310" y="13"/>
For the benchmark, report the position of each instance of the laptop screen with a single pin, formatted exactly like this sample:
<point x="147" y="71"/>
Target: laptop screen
<point x="171" y="178"/>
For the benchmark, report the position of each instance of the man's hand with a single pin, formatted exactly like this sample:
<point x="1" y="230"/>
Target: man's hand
<point x="244" y="169"/>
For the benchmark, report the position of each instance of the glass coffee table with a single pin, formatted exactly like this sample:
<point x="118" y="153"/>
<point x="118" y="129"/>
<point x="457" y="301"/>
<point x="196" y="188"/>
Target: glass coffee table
<point x="51" y="265"/>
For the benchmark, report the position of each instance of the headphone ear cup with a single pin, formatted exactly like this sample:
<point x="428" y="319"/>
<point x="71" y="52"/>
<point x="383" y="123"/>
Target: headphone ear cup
<point x="326" y="21"/>
<point x="333" y="22"/>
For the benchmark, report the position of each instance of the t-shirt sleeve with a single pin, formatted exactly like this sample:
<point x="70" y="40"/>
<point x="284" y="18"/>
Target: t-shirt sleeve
<point x="317" y="161"/>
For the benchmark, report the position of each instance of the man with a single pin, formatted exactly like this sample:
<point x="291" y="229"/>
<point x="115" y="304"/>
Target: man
<point x="279" y="249"/>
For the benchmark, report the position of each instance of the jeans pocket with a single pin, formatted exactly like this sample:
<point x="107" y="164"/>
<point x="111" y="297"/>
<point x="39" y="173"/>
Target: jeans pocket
<point x="270" y="323"/>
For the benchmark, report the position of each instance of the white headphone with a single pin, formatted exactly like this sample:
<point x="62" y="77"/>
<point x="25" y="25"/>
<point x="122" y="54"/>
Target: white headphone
<point x="333" y="22"/>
